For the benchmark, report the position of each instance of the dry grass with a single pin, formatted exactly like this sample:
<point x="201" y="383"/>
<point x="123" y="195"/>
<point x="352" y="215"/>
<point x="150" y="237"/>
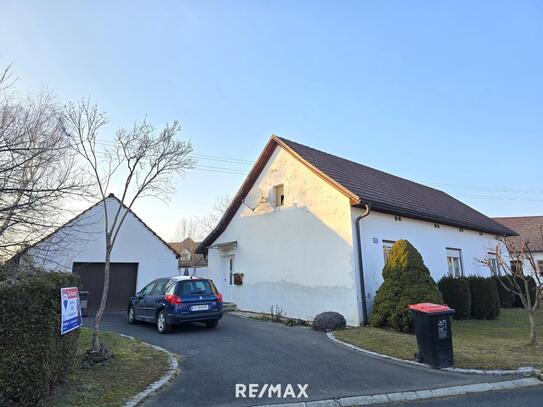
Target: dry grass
<point x="499" y="344"/>
<point x="113" y="382"/>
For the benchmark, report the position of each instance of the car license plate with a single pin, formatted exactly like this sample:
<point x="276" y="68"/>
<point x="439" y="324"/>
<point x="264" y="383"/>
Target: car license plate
<point x="199" y="307"/>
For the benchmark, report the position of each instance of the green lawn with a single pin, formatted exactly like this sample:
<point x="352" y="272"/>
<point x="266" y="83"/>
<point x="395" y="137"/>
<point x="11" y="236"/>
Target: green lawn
<point x="113" y="382"/>
<point x="499" y="344"/>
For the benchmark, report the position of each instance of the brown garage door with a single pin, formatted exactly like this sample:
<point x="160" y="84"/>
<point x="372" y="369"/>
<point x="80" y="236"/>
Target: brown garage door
<point x="122" y="284"/>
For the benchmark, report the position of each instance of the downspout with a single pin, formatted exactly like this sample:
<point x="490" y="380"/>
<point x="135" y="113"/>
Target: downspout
<point x="360" y="266"/>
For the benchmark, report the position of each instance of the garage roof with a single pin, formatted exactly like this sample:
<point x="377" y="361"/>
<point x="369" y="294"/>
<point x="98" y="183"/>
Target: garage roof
<point x="110" y="196"/>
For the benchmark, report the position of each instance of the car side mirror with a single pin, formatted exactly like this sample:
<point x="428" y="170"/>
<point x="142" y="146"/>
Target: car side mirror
<point x="139" y="295"/>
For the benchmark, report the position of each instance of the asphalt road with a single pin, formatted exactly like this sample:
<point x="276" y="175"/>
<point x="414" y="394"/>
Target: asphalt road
<point x="247" y="351"/>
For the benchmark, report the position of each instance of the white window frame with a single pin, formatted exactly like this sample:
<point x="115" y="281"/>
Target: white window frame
<point x="387" y="245"/>
<point x="454" y="262"/>
<point x="278" y="197"/>
<point x="493" y="266"/>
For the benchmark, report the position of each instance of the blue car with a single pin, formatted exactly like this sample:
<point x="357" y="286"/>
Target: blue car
<point x="174" y="300"/>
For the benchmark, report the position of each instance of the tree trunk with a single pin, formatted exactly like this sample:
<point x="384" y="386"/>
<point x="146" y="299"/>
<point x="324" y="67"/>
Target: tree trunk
<point x="100" y="312"/>
<point x="533" y="335"/>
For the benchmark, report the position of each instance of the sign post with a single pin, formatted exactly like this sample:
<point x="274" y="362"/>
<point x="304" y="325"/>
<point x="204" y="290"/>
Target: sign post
<point x="70" y="309"/>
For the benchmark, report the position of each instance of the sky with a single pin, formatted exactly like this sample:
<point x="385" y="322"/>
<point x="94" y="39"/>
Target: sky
<point x="446" y="93"/>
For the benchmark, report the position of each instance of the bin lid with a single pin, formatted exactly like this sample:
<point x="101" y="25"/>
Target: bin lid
<point x="429" y="308"/>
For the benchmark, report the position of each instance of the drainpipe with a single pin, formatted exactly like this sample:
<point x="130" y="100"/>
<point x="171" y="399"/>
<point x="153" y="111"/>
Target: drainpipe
<point x="360" y="266"/>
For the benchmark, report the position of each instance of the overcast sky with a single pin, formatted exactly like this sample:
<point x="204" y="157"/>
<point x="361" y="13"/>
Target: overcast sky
<point x="446" y="93"/>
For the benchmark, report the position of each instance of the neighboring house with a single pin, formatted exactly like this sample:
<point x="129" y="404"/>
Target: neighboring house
<point x="529" y="229"/>
<point x="190" y="262"/>
<point x="138" y="257"/>
<point x="291" y="232"/>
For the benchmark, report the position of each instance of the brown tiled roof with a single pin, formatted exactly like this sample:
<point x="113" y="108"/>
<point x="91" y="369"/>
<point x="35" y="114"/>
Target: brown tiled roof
<point x="196" y="259"/>
<point x="528" y="228"/>
<point x="364" y="185"/>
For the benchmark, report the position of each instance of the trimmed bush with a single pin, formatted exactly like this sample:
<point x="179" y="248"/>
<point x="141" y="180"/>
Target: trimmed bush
<point x="485" y="301"/>
<point x="406" y="281"/>
<point x="329" y="321"/>
<point x="456" y="294"/>
<point x="34" y="355"/>
<point x="507" y="298"/>
<point x="532" y="287"/>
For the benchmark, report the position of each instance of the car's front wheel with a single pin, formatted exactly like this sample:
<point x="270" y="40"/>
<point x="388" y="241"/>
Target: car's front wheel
<point x="132" y="315"/>
<point x="162" y="323"/>
<point x="213" y="323"/>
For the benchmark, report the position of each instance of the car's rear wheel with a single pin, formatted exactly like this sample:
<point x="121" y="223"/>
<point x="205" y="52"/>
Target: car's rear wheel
<point x="212" y="323"/>
<point x="162" y="322"/>
<point x="132" y="315"/>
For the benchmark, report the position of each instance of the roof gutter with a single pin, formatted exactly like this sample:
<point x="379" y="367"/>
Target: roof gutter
<point x="360" y="265"/>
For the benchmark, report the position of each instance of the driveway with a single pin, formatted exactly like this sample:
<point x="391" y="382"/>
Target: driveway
<point x="248" y="351"/>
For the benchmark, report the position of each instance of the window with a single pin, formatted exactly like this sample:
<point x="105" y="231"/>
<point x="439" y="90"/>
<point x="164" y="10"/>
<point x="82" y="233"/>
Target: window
<point x="147" y="290"/>
<point x="279" y="195"/>
<point x="231" y="270"/>
<point x="197" y="287"/>
<point x="493" y="264"/>
<point x="160" y="287"/>
<point x="516" y="266"/>
<point x="454" y="261"/>
<point x="185" y="255"/>
<point x="387" y="245"/>
<point x="540" y="267"/>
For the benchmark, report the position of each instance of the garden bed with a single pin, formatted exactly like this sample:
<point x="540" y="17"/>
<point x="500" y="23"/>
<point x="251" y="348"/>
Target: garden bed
<point x="133" y="367"/>
<point x="478" y="344"/>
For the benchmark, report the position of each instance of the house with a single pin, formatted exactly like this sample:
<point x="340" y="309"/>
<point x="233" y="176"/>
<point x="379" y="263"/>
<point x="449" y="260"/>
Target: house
<point x="138" y="257"/>
<point x="529" y="229"/>
<point x="190" y="262"/>
<point x="291" y="230"/>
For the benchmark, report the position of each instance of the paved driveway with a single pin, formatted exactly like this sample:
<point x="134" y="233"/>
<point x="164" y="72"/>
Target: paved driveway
<point x="247" y="351"/>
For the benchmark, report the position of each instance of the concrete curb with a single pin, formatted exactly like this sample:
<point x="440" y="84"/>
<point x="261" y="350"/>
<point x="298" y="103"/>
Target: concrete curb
<point x="416" y="395"/>
<point x="521" y="371"/>
<point x="153" y="387"/>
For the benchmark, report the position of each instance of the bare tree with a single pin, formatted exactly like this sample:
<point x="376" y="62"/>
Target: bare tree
<point x="142" y="159"/>
<point x="188" y="227"/>
<point x="208" y="222"/>
<point x="518" y="271"/>
<point x="37" y="168"/>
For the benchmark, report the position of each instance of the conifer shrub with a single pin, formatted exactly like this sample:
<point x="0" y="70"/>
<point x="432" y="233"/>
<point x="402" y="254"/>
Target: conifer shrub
<point x="456" y="294"/>
<point x="485" y="301"/>
<point x="507" y="298"/>
<point x="406" y="280"/>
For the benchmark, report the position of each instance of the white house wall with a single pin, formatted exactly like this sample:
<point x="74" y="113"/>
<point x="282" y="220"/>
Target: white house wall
<point x="83" y="241"/>
<point x="298" y="256"/>
<point x="430" y="241"/>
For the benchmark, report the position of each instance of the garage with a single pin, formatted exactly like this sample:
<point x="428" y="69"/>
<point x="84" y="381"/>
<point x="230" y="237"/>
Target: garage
<point x="122" y="284"/>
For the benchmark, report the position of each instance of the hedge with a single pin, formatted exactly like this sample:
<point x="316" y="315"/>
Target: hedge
<point x="34" y="355"/>
<point x="485" y="301"/>
<point x="456" y="294"/>
<point x="406" y="281"/>
<point x="507" y="298"/>
<point x="532" y="288"/>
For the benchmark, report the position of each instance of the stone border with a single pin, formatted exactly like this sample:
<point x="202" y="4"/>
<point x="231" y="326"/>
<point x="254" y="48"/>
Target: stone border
<point x="416" y="395"/>
<point x="521" y="371"/>
<point x="153" y="387"/>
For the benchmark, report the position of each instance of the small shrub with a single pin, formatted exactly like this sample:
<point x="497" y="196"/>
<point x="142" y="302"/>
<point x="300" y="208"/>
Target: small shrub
<point x="34" y="355"/>
<point x="456" y="294"/>
<point x="507" y="298"/>
<point x="406" y="281"/>
<point x="485" y="301"/>
<point x="329" y="321"/>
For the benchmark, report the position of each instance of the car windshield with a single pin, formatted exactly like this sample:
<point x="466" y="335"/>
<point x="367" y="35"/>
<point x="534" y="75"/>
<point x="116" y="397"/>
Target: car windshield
<point x="198" y="287"/>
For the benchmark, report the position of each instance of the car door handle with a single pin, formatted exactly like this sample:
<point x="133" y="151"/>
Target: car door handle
<point x="159" y="300"/>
